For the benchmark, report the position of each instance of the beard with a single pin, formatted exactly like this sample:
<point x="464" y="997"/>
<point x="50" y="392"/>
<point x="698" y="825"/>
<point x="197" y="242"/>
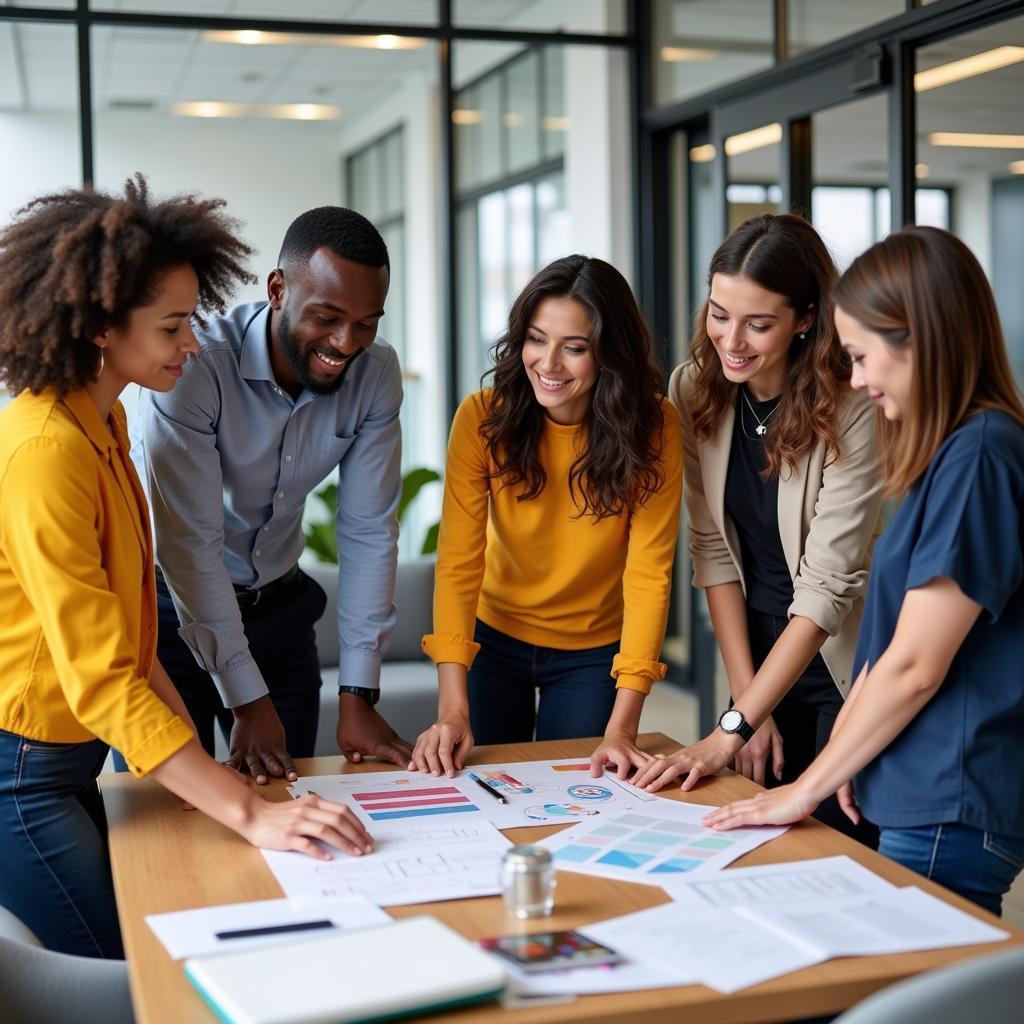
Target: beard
<point x="301" y="361"/>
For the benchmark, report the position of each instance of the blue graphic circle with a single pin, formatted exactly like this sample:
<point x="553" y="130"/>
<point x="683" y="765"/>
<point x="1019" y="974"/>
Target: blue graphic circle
<point x="589" y="792"/>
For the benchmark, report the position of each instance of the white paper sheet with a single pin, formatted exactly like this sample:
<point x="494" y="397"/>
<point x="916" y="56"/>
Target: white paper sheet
<point x="207" y="930"/>
<point x="415" y="860"/>
<point x="718" y="948"/>
<point x="897" y="921"/>
<point x="801" y="881"/>
<point x="652" y="844"/>
<point x="581" y="981"/>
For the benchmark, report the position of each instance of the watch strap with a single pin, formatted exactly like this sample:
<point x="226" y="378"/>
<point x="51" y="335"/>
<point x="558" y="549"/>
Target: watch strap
<point x="369" y="694"/>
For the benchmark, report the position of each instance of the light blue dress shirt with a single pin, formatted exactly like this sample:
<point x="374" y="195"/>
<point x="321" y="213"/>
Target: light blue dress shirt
<point x="228" y="458"/>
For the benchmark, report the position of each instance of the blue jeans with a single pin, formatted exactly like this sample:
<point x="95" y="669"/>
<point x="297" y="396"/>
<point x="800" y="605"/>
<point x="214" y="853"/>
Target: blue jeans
<point x="282" y="641"/>
<point x="577" y="691"/>
<point x="978" y="865"/>
<point x="54" y="865"/>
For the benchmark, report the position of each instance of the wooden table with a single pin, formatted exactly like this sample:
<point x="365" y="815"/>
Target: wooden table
<point x="167" y="859"/>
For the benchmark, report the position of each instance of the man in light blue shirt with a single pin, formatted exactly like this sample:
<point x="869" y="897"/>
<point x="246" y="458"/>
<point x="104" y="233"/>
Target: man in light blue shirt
<point x="279" y="395"/>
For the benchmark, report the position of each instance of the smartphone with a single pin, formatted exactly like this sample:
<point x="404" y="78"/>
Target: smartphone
<point x="551" y="951"/>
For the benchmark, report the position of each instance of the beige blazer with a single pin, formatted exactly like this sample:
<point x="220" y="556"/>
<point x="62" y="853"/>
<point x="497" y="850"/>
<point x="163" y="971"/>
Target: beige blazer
<point x="829" y="517"/>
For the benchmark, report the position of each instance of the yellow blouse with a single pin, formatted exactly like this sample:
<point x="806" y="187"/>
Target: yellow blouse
<point x="539" y="572"/>
<point x="77" y="587"/>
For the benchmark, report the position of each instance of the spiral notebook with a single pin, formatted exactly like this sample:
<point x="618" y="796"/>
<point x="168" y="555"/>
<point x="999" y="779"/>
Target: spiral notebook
<point x="413" y="966"/>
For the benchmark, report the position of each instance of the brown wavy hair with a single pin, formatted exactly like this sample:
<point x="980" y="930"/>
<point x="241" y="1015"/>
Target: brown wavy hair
<point x="618" y="469"/>
<point x="783" y="254"/>
<point x="924" y="292"/>
<point x="76" y="262"/>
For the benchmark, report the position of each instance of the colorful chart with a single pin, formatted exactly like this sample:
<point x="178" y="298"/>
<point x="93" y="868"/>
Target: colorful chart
<point x="559" y="812"/>
<point x="589" y="792"/>
<point x="403" y="801"/>
<point x="506" y="784"/>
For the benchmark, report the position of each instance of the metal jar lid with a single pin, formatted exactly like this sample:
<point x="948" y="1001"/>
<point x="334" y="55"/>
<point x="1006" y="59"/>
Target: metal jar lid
<point x="527" y="858"/>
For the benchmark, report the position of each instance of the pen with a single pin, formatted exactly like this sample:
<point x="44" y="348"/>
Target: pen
<point x="275" y="929"/>
<point x="490" y="789"/>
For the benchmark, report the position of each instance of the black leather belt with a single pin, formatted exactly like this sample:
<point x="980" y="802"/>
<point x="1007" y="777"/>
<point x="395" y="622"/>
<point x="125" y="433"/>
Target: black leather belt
<point x="249" y="597"/>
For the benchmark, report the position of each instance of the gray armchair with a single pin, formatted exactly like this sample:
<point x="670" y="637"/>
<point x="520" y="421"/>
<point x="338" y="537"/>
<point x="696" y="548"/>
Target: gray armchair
<point x="39" y="986"/>
<point x="408" y="679"/>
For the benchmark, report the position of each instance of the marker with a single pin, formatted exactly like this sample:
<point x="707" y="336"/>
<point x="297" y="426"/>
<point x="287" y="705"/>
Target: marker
<point x="275" y="929"/>
<point x="490" y="789"/>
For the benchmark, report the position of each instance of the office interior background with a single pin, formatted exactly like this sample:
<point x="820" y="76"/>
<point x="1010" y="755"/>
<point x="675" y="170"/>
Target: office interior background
<point x="487" y="137"/>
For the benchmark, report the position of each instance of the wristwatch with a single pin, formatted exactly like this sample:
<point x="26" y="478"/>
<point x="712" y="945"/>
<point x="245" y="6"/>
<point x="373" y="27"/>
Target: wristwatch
<point x="733" y="722"/>
<point x="370" y="695"/>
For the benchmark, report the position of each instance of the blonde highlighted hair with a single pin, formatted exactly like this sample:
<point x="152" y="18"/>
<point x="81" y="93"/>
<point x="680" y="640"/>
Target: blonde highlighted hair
<point x="924" y="293"/>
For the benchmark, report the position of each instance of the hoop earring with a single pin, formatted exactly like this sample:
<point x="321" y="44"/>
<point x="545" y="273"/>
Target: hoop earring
<point x="99" y="372"/>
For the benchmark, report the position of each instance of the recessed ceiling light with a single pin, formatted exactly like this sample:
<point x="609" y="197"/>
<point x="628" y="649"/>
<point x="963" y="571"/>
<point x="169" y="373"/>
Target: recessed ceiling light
<point x="758" y="138"/>
<point x="703" y="154"/>
<point x="463" y="116"/>
<point x="1017" y="167"/>
<point x="968" y="67"/>
<point x="976" y="140"/>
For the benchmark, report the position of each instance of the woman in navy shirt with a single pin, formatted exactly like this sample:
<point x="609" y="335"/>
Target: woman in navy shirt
<point x="933" y="732"/>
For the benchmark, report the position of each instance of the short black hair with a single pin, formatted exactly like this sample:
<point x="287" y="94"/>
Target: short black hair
<point x="349" y="235"/>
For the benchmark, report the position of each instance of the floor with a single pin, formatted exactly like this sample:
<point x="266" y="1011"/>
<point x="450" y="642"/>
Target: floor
<point x="673" y="711"/>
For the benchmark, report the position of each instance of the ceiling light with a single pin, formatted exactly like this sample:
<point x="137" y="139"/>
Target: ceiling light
<point x="921" y="171"/>
<point x="673" y="54"/>
<point x="968" y="67"/>
<point x="1017" y="167"/>
<point x="301" y="111"/>
<point x="512" y="120"/>
<point x="209" y="108"/>
<point x="703" y="154"/>
<point x="976" y="140"/>
<point x="248" y="37"/>
<point x="758" y="138"/>
<point x="555" y="124"/>
<point x="463" y="116"/>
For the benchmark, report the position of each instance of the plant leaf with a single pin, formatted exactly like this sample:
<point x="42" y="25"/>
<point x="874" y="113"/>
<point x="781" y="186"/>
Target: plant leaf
<point x="430" y="541"/>
<point x="412" y="483"/>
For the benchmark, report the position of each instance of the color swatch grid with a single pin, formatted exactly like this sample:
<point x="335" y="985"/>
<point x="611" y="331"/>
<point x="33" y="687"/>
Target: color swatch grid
<point x="632" y="845"/>
<point x="412" y="801"/>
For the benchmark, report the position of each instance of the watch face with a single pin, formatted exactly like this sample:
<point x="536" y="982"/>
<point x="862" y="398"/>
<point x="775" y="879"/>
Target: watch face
<point x="731" y="720"/>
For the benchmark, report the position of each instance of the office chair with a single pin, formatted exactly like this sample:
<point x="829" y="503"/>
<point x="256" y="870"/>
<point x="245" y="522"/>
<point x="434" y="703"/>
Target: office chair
<point x="39" y="986"/>
<point x="988" y="989"/>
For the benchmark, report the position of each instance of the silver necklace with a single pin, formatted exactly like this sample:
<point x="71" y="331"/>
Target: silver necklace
<point x="760" y="429"/>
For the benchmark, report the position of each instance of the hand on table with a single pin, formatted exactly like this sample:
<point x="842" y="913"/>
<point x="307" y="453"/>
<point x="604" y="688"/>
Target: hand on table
<point x="708" y="756"/>
<point x="752" y="759"/>
<point x="258" y="744"/>
<point x="618" y="750"/>
<point x="362" y="732"/>
<point x="782" y="806"/>
<point x="296" y="824"/>
<point x="444" y="746"/>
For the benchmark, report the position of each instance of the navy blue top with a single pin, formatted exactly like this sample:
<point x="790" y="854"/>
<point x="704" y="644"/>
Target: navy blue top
<point x="961" y="759"/>
<point x="753" y="505"/>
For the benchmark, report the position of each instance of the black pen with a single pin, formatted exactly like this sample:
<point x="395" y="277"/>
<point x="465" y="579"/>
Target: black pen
<point x="490" y="789"/>
<point x="275" y="929"/>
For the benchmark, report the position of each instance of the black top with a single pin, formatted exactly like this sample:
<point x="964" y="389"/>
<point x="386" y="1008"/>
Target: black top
<point x="753" y="505"/>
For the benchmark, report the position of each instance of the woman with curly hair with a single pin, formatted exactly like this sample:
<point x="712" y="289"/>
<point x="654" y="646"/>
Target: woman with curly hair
<point x="558" y="529"/>
<point x="783" y="492"/>
<point x="97" y="292"/>
<point x="932" y="735"/>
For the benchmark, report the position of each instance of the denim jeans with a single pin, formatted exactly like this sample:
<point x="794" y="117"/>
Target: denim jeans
<point x="804" y="717"/>
<point x="980" y="866"/>
<point x="577" y="691"/>
<point x="282" y="640"/>
<point x="54" y="865"/>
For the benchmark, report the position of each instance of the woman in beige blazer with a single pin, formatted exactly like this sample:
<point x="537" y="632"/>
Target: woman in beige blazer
<point x="783" y="494"/>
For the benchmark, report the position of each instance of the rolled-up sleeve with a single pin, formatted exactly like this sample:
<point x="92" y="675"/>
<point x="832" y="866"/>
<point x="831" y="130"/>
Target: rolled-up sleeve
<point x="833" y="570"/>
<point x="709" y="554"/>
<point x="462" y="540"/>
<point x="181" y="467"/>
<point x="48" y="531"/>
<point x="369" y="488"/>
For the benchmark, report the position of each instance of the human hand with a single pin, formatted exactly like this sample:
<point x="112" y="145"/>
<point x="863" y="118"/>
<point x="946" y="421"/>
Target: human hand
<point x="707" y="757"/>
<point x="752" y="759"/>
<point x="781" y="806"/>
<point x="258" y="743"/>
<point x="848" y="802"/>
<point x="444" y="746"/>
<point x="298" y="824"/>
<point x="618" y="750"/>
<point x="362" y="732"/>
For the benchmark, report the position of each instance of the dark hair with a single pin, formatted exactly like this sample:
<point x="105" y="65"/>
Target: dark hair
<point x="782" y="254"/>
<point x="76" y="262"/>
<point x="922" y="290"/>
<point x="618" y="468"/>
<point x="349" y="235"/>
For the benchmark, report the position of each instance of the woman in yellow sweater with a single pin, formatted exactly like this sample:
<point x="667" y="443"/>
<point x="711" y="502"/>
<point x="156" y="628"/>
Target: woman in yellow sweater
<point x="558" y="529"/>
<point x="97" y="293"/>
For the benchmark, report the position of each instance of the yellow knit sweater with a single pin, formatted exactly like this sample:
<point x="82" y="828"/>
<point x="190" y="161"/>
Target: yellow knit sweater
<point x="540" y="573"/>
